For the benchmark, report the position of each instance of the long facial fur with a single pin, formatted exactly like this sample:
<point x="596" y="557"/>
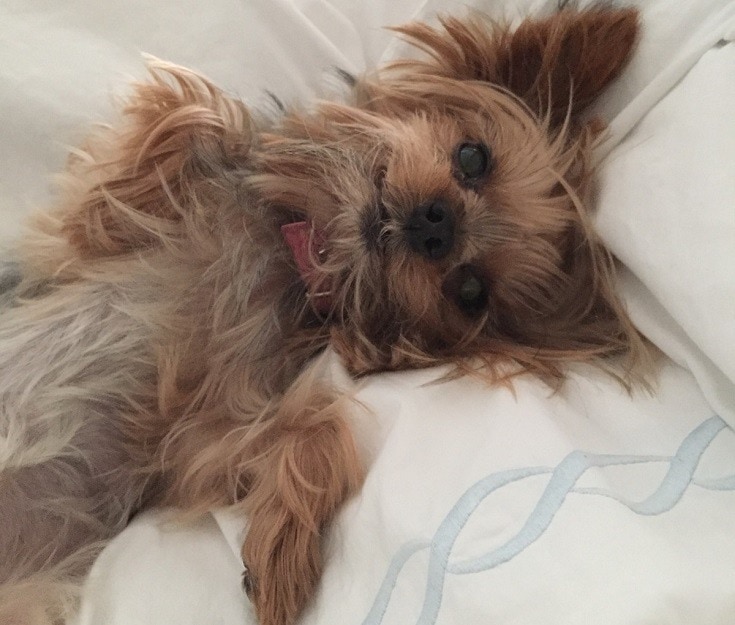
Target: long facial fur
<point x="528" y="228"/>
<point x="156" y="349"/>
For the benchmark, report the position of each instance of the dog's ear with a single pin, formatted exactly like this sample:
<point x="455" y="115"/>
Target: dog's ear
<point x="132" y="184"/>
<point x="557" y="65"/>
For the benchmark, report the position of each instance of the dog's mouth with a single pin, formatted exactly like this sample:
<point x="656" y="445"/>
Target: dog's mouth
<point x="307" y="245"/>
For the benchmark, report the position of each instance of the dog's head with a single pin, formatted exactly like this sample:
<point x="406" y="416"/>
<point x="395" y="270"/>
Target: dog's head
<point x="450" y="196"/>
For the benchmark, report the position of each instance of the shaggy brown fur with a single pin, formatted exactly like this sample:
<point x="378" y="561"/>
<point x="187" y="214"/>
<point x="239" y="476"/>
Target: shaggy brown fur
<point x="161" y="346"/>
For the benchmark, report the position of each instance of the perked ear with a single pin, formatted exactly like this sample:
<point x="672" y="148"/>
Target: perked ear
<point x="132" y="184"/>
<point x="557" y="65"/>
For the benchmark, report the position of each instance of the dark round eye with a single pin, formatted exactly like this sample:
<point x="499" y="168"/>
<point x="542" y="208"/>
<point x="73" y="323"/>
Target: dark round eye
<point x="470" y="291"/>
<point x="466" y="287"/>
<point x="473" y="160"/>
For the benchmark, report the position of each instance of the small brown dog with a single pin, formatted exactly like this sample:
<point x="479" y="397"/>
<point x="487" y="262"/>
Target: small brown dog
<point x="158" y="347"/>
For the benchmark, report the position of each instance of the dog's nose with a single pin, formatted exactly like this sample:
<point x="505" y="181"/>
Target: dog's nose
<point x="430" y="230"/>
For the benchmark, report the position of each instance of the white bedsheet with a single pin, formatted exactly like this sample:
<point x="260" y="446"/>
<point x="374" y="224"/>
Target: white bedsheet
<point x="586" y="506"/>
<point x="480" y="506"/>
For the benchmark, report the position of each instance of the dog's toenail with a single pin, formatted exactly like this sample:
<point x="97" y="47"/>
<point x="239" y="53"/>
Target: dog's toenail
<point x="248" y="582"/>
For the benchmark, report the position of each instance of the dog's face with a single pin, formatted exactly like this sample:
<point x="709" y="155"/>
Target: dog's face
<point x="451" y="207"/>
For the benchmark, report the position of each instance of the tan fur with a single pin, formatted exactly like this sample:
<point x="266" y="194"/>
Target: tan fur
<point x="161" y="346"/>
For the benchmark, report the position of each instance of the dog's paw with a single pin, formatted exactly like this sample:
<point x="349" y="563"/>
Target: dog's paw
<point x="283" y="564"/>
<point x="309" y="467"/>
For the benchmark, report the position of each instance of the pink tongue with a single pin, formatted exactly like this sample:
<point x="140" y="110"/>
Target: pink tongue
<point x="305" y="244"/>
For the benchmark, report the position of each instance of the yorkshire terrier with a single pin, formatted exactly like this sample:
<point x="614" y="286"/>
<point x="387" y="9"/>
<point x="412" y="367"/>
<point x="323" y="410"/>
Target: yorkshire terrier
<point x="158" y="346"/>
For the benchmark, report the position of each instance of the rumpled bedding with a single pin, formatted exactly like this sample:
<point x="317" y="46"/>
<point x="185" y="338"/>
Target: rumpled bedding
<point x="481" y="504"/>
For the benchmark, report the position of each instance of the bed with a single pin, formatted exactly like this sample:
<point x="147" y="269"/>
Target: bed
<point x="481" y="504"/>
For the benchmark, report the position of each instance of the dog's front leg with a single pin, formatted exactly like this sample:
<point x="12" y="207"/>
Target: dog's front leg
<point x="309" y="466"/>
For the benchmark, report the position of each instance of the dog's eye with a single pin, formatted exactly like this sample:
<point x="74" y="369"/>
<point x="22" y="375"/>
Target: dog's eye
<point x="473" y="161"/>
<point x="466" y="287"/>
<point x="472" y="296"/>
<point x="471" y="291"/>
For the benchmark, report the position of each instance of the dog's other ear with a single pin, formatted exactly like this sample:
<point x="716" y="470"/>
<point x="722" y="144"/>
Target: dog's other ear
<point x="132" y="184"/>
<point x="557" y="65"/>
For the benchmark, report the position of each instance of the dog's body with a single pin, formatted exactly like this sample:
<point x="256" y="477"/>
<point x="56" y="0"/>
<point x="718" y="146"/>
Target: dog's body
<point x="158" y="347"/>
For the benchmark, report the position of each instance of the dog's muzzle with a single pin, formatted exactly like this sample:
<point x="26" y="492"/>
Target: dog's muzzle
<point x="430" y="230"/>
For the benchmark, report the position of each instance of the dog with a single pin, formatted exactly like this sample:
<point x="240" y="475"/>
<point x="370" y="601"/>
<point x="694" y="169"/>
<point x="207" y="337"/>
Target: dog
<point x="160" y="343"/>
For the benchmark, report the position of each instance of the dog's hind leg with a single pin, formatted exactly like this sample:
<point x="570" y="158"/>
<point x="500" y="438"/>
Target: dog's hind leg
<point x="49" y="536"/>
<point x="71" y="368"/>
<point x="55" y="515"/>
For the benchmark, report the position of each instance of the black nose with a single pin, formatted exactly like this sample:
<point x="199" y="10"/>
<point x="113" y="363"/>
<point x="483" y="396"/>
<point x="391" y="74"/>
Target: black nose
<point x="430" y="230"/>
